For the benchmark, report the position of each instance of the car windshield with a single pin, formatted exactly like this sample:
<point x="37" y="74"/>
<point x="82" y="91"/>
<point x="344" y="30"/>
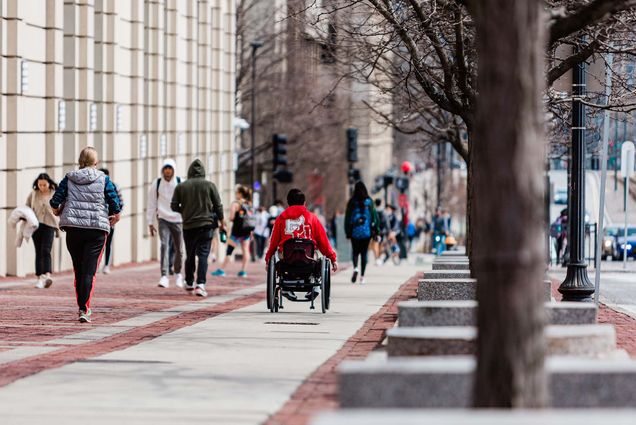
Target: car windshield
<point x="611" y="231"/>
<point x="631" y="231"/>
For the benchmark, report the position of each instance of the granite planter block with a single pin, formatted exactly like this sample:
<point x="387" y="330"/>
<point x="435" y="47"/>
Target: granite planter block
<point x="453" y="254"/>
<point x="446" y="289"/>
<point x="582" y="340"/>
<point x="464" y="313"/>
<point x="457" y="289"/>
<point x="447" y="274"/>
<point x="451" y="266"/>
<point x="476" y="417"/>
<point x="446" y="382"/>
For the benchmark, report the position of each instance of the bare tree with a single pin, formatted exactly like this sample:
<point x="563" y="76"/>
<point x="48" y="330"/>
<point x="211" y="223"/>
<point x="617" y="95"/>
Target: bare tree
<point x="508" y="244"/>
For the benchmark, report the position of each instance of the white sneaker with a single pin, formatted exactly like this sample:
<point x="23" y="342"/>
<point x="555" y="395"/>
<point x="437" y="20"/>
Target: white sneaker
<point x="40" y="283"/>
<point x="362" y="280"/>
<point x="164" y="282"/>
<point x="106" y="270"/>
<point x="379" y="262"/>
<point x="47" y="280"/>
<point x="200" y="291"/>
<point x="179" y="280"/>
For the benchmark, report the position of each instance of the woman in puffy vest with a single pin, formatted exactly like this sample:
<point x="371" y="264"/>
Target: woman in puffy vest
<point x="87" y="203"/>
<point x="361" y="224"/>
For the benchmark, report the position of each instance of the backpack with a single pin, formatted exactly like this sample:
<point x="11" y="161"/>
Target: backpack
<point x="249" y="219"/>
<point x="555" y="229"/>
<point x="361" y="222"/>
<point x="159" y="184"/>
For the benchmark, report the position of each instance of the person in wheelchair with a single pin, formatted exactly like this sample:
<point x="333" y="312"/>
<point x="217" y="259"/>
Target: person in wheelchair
<point x="296" y="222"/>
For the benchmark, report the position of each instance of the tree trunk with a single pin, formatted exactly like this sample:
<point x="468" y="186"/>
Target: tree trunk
<point x="508" y="248"/>
<point x="469" y="199"/>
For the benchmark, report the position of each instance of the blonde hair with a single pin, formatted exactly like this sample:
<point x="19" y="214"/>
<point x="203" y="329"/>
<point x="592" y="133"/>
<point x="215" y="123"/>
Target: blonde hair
<point x="87" y="157"/>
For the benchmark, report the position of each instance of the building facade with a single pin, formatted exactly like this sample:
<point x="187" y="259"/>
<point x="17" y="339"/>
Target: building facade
<point x="140" y="80"/>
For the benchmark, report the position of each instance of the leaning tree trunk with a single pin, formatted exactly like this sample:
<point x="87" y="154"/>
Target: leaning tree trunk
<point x="508" y="248"/>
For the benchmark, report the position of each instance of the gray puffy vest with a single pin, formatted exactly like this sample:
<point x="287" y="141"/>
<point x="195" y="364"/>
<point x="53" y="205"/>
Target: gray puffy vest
<point x="85" y="205"/>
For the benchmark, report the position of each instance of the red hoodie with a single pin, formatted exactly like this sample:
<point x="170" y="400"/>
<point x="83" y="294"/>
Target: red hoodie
<point x="297" y="222"/>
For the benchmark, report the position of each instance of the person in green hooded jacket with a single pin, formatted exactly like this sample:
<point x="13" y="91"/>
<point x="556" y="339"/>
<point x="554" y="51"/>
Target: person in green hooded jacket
<point x="199" y="203"/>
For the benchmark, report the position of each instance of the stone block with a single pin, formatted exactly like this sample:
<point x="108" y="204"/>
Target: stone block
<point x="446" y="382"/>
<point x="451" y="266"/>
<point x="457" y="289"/>
<point x="580" y="340"/>
<point x="447" y="274"/>
<point x="476" y="417"/>
<point x="464" y="313"/>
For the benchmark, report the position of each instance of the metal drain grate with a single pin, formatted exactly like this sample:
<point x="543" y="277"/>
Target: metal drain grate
<point x="293" y="323"/>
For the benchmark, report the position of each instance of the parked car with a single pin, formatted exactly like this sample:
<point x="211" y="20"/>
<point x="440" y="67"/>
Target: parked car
<point x="622" y="245"/>
<point x="608" y="248"/>
<point x="560" y="197"/>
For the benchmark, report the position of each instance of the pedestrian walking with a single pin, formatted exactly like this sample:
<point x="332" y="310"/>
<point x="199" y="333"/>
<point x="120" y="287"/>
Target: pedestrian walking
<point x="109" y="240"/>
<point x="38" y="200"/>
<point x="361" y="224"/>
<point x="169" y="223"/>
<point x="199" y="203"/>
<point x="376" y="243"/>
<point x="87" y="203"/>
<point x="261" y="231"/>
<point x="441" y="227"/>
<point x="243" y="224"/>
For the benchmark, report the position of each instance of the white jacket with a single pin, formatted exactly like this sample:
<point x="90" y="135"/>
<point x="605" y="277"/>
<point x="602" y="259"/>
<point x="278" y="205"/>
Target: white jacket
<point x="159" y="207"/>
<point x="28" y="224"/>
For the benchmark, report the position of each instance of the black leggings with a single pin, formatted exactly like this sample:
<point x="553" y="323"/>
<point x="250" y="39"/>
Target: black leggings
<point x="86" y="247"/>
<point x="43" y="241"/>
<point x="109" y="247"/>
<point x="360" y="247"/>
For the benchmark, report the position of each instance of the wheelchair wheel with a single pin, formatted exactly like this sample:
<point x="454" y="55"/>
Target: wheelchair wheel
<point x="328" y="285"/>
<point x="272" y="303"/>
<point x="324" y="276"/>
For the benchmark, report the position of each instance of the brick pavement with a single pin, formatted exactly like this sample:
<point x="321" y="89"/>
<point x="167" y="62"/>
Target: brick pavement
<point x="35" y="318"/>
<point x="319" y="391"/>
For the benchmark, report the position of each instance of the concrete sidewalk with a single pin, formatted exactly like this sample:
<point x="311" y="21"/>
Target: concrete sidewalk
<point x="223" y="360"/>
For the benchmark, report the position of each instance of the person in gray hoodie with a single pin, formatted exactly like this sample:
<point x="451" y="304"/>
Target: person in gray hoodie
<point x="199" y="203"/>
<point x="88" y="205"/>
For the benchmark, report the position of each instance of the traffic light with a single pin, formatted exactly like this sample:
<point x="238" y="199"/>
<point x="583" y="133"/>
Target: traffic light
<point x="352" y="144"/>
<point x="354" y="175"/>
<point x="279" y="142"/>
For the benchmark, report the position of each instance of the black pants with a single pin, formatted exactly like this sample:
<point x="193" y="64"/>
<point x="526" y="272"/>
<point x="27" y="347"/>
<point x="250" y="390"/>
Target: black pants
<point x="260" y="245"/>
<point x="198" y="242"/>
<point x="86" y="247"/>
<point x="360" y="247"/>
<point x="109" y="247"/>
<point x="43" y="241"/>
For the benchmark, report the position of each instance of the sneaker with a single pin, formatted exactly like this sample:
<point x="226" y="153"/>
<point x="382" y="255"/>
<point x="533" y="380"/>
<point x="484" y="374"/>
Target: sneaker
<point x="362" y="280"/>
<point x="200" y="291"/>
<point x="242" y="273"/>
<point x="164" y="282"/>
<point x="40" y="283"/>
<point x="189" y="288"/>
<point x="218" y="272"/>
<point x="355" y="276"/>
<point x="85" y="316"/>
<point x="179" y="280"/>
<point x="313" y="293"/>
<point x="47" y="280"/>
<point x="106" y="270"/>
<point x="379" y="262"/>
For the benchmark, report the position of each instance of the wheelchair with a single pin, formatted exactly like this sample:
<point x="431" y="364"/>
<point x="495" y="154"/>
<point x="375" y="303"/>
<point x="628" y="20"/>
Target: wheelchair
<point x="298" y="270"/>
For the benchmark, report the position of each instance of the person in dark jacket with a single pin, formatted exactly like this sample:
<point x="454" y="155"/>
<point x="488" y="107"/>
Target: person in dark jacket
<point x="361" y="224"/>
<point x="199" y="203"/>
<point x="109" y="240"/>
<point x="89" y="207"/>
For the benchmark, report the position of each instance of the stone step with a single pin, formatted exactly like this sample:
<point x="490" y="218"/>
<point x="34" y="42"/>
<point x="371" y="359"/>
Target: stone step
<point x="475" y="417"/>
<point x="464" y="313"/>
<point x="451" y="266"/>
<point x="578" y="340"/>
<point x="447" y="382"/>
<point x="447" y="274"/>
<point x="457" y="289"/>
<point x="454" y="254"/>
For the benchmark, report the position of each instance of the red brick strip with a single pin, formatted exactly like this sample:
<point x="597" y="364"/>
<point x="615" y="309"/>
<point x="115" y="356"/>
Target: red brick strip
<point x="320" y="391"/>
<point x="13" y="371"/>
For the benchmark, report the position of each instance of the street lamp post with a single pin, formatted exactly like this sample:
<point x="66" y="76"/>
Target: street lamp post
<point x="255" y="46"/>
<point x="577" y="286"/>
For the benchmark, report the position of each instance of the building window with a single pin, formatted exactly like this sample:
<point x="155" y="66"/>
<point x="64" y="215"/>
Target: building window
<point x="61" y="115"/>
<point x="92" y="117"/>
<point x="143" y="146"/>
<point x="24" y="77"/>
<point x="163" y="145"/>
